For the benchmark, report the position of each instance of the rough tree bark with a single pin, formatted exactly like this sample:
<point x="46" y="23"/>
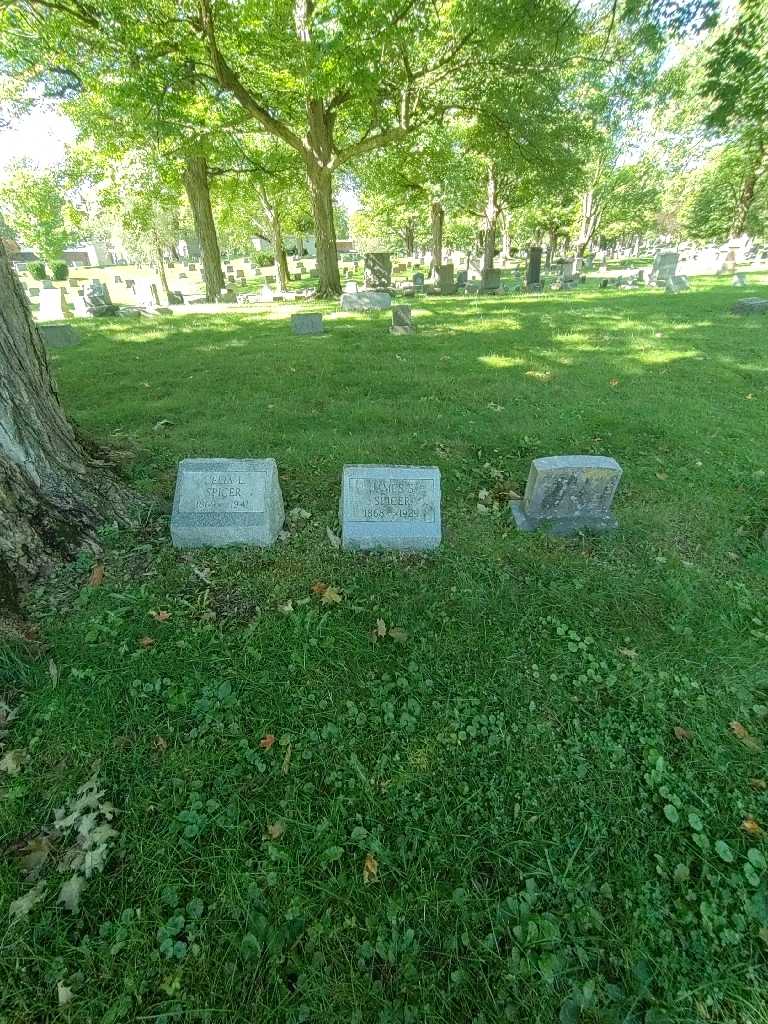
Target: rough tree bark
<point x="490" y="219"/>
<point x="198" y="193"/>
<point x="506" y="238"/>
<point x="437" y="219"/>
<point x="161" y="272"/>
<point x="321" y="195"/>
<point x="54" y="494"/>
<point x="591" y="212"/>
<point x="276" y="231"/>
<point x="409" y="238"/>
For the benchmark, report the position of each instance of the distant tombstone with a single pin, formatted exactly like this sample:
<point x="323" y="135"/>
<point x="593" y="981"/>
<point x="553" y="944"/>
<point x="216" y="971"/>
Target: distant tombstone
<point x="362" y="301"/>
<point x="390" y="508"/>
<point x="51" y="304"/>
<point x="533" y="269"/>
<point x="664" y="267"/>
<point x="270" y="278"/>
<point x="491" y="282"/>
<point x="226" y="501"/>
<point x="739" y="280"/>
<point x="568" y="493"/>
<point x="418" y="281"/>
<point x="97" y="299"/>
<point x="240" y="273"/>
<point x="59" y="336"/>
<point x="676" y="283"/>
<point x="445" y="282"/>
<point x="307" y="323"/>
<point x="266" y="294"/>
<point x="750" y="307"/>
<point x="401" y="320"/>
<point x="728" y="266"/>
<point x="568" y="270"/>
<point x="146" y="293"/>
<point x="377" y="271"/>
<point x="351" y="288"/>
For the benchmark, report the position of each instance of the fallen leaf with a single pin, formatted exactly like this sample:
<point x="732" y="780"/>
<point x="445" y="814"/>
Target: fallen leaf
<point x="159" y="744"/>
<point x="7" y="715"/>
<point x="370" y="869"/>
<point x="53" y="671"/>
<point x="333" y="538"/>
<point x="758" y="783"/>
<point x="286" y="608"/>
<point x="381" y="628"/>
<point x="331" y="596"/>
<point x="743" y="736"/>
<point x="21" y="907"/>
<point x="319" y="588"/>
<point x="398" y="635"/>
<point x="751" y="827"/>
<point x="70" y="893"/>
<point x="161" y="423"/>
<point x="160" y="616"/>
<point x="267" y="742"/>
<point x="34" y="855"/>
<point x="276" y="830"/>
<point x="682" y="734"/>
<point x="662" y="476"/>
<point x="628" y="652"/>
<point x="97" y="575"/>
<point x="11" y="762"/>
<point x="287" y="759"/>
<point x="65" y="994"/>
<point x="614" y="382"/>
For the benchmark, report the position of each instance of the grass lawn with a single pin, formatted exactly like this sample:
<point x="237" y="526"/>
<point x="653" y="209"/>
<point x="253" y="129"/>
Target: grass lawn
<point x="536" y="808"/>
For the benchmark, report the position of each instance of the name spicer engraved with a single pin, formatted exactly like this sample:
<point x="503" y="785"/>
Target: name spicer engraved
<point x="390" y="500"/>
<point x="222" y="493"/>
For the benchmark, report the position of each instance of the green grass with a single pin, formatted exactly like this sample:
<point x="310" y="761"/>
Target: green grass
<point x="547" y="847"/>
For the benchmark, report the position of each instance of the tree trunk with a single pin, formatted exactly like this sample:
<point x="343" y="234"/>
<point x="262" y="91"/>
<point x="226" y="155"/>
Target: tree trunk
<point x="53" y="493"/>
<point x="590" y="219"/>
<point x="506" y="240"/>
<point x="747" y="193"/>
<point x="491" y="217"/>
<point x="299" y="247"/>
<point x="551" y="247"/>
<point x="318" y="157"/>
<point x="161" y="272"/>
<point x="276" y="231"/>
<point x="410" y="243"/>
<point x="196" y="185"/>
<point x="437" y="219"/>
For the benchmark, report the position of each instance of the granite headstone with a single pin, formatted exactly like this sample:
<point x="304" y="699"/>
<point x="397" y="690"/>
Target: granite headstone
<point x="395" y="508"/>
<point x="566" y="494"/>
<point x="307" y="323"/>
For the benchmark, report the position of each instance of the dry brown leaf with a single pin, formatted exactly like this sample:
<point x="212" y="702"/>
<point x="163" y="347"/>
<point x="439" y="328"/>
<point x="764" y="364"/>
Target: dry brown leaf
<point x="682" y="734"/>
<point x="34" y="855"/>
<point x="370" y="869"/>
<point x="287" y="759"/>
<point x="146" y="641"/>
<point x="159" y="744"/>
<point x="97" y="575"/>
<point x="751" y="827"/>
<point x="160" y="616"/>
<point x="614" y="382"/>
<point x="319" y="588"/>
<point x="267" y="742"/>
<point x="276" y="830"/>
<point x="331" y="596"/>
<point x="758" y="783"/>
<point x="744" y="736"/>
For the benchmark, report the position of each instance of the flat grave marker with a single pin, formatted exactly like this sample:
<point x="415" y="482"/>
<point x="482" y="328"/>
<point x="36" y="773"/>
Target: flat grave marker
<point x="226" y="501"/>
<point x="390" y="508"/>
<point x="307" y="323"/>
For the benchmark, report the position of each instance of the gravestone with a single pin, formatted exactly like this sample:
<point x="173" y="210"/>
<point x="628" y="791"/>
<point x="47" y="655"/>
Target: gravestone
<point x="226" y="501"/>
<point x="676" y="283"/>
<point x="401" y="320"/>
<point x="59" y="336"/>
<point x="418" y="282"/>
<point x="567" y="494"/>
<point x="750" y="307"/>
<point x="52" y="305"/>
<point x="739" y="280"/>
<point x="97" y="299"/>
<point x="568" y="270"/>
<point x="351" y="288"/>
<point x="395" y="508"/>
<point x="377" y="271"/>
<point x="664" y="267"/>
<point x="146" y="292"/>
<point x="728" y="266"/>
<point x="491" y="282"/>
<point x="445" y="279"/>
<point x="533" y="268"/>
<point x="362" y="301"/>
<point x="461" y="279"/>
<point x="307" y="323"/>
<point x="266" y="294"/>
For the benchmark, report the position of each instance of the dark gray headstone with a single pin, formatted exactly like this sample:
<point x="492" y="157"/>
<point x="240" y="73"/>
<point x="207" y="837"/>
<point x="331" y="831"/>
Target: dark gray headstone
<point x="361" y="301"/>
<point x="390" y="508"/>
<point x="59" y="335"/>
<point x="418" y="281"/>
<point x="401" y="320"/>
<point x="445" y="280"/>
<point x="533" y="268"/>
<point x="307" y="323"/>
<point x="753" y="307"/>
<point x="377" y="272"/>
<point x="226" y="501"/>
<point x="567" y="494"/>
<point x="491" y="281"/>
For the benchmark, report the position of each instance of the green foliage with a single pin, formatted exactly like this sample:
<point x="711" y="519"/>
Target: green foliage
<point x="263" y="259"/>
<point x="59" y="270"/>
<point x="35" y="206"/>
<point x="37" y="269"/>
<point x="712" y="195"/>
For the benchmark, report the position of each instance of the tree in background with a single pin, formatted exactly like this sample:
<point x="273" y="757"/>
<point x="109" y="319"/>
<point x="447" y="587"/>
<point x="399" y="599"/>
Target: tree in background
<point x="36" y="208"/>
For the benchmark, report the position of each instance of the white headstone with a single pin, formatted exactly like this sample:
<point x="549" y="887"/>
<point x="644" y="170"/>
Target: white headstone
<point x="390" y="508"/>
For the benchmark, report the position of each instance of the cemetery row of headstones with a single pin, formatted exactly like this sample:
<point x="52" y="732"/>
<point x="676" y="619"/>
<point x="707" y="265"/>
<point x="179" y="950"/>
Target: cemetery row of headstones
<point x="219" y="502"/>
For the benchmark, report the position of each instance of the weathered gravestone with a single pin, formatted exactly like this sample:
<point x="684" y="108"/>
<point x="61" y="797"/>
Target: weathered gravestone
<point x="461" y="279"/>
<point x="491" y="282"/>
<point x="307" y="323"/>
<point x="377" y="272"/>
<point x="351" y="288"/>
<point x="226" y="501"/>
<point x="533" y="269"/>
<point x="568" y="493"/>
<point x="676" y="283"/>
<point x="664" y="267"/>
<point x="739" y="280"/>
<point x="445" y="281"/>
<point x="59" y="335"/>
<point x="362" y="301"/>
<point x="418" y="282"/>
<point x="750" y="307"/>
<point x="401" y="320"/>
<point x="146" y="293"/>
<point x="395" y="508"/>
<point x="97" y="299"/>
<point x="52" y="305"/>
